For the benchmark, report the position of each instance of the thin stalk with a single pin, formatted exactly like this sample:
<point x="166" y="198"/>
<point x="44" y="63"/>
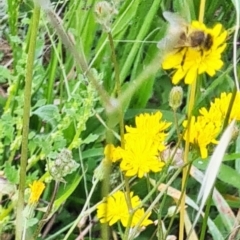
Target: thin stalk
<point x="130" y="209"/>
<point x="206" y="214"/>
<point x="235" y="45"/>
<point x="186" y="151"/>
<point x="26" y="115"/>
<point x="156" y="200"/>
<point x="117" y="87"/>
<point x="176" y="124"/>
<point x="51" y="76"/>
<point x="201" y="10"/>
<point x="83" y="210"/>
<point x="48" y="212"/>
<point x="178" y="204"/>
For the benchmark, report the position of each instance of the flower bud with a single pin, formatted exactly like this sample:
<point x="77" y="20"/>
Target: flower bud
<point x="63" y="165"/>
<point x="175" y="97"/>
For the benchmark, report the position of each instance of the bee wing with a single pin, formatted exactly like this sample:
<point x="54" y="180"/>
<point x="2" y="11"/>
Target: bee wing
<point x="174" y="19"/>
<point x="177" y="27"/>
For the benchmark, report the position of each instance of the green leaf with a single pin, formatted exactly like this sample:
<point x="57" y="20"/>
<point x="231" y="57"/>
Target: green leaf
<point x="226" y="173"/>
<point x="66" y="190"/>
<point x="229" y="176"/>
<point x="90" y="138"/>
<point x="11" y="173"/>
<point x="48" y="113"/>
<point x="31" y="222"/>
<point x="93" y="152"/>
<point x="5" y="74"/>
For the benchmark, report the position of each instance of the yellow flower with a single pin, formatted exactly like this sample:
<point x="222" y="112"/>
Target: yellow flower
<point x="139" y="157"/>
<point x="36" y="190"/>
<point x="115" y="209"/>
<point x="235" y="113"/>
<point x="220" y="106"/>
<point x="149" y="126"/>
<point x="202" y="133"/>
<point x="112" y="153"/>
<point x="142" y="145"/>
<point x="189" y="62"/>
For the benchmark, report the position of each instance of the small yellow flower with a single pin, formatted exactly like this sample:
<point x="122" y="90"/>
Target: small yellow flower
<point x="220" y="106"/>
<point x="149" y="126"/>
<point x="142" y="145"/>
<point x="112" y="153"/>
<point x="202" y="133"/>
<point x="140" y="157"/>
<point x="36" y="190"/>
<point x="189" y="62"/>
<point x="115" y="209"/>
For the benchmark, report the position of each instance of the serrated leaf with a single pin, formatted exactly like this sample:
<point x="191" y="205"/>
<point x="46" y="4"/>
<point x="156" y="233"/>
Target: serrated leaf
<point x="48" y="113"/>
<point x="11" y="173"/>
<point x="5" y="74"/>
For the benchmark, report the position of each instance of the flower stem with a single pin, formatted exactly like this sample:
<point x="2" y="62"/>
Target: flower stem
<point x="206" y="215"/>
<point x="130" y="209"/>
<point x="117" y="87"/>
<point x="26" y="115"/>
<point x="186" y="151"/>
<point x="201" y="11"/>
<point x="48" y="212"/>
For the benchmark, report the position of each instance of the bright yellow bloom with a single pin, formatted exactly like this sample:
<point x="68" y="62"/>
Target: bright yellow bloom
<point x="112" y="153"/>
<point x="36" y="190"/>
<point x="115" y="209"/>
<point x="139" y="157"/>
<point x="150" y="127"/>
<point x="142" y="145"/>
<point x="208" y="125"/>
<point x="202" y="133"/>
<point x="235" y="113"/>
<point x="189" y="62"/>
<point x="220" y="106"/>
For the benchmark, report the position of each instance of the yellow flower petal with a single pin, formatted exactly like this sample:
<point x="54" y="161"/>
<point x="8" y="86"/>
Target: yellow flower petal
<point x="178" y="75"/>
<point x="36" y="190"/>
<point x="191" y="75"/>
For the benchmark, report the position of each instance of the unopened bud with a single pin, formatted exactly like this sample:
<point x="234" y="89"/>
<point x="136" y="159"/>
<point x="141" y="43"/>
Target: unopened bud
<point x="175" y="97"/>
<point x="102" y="170"/>
<point x="63" y="165"/>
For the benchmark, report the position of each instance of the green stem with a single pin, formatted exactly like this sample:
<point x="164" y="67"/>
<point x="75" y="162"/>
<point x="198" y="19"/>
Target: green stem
<point x="206" y="214"/>
<point x="117" y="88"/>
<point x="48" y="212"/>
<point x="186" y="151"/>
<point x="26" y="116"/>
<point x="80" y="216"/>
<point x="153" y="204"/>
<point x="130" y="209"/>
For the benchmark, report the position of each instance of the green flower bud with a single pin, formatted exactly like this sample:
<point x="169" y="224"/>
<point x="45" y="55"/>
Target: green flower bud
<point x="175" y="97"/>
<point x="63" y="165"/>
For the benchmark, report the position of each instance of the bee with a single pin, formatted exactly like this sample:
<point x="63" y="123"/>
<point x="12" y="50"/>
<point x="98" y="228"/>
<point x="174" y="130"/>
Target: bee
<point x="180" y="34"/>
